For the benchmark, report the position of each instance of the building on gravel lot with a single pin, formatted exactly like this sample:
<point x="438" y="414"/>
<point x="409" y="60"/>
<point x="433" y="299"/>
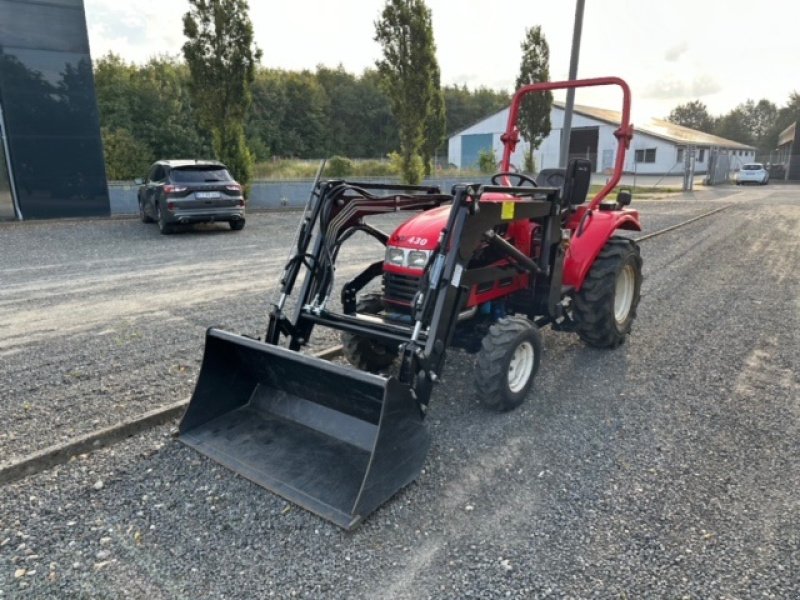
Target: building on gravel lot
<point x="788" y="161"/>
<point x="659" y="147"/>
<point x="51" y="163"/>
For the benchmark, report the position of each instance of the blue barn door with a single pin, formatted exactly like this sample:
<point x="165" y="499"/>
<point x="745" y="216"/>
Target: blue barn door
<point x="471" y="146"/>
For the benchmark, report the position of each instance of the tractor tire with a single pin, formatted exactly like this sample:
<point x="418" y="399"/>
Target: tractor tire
<point x="363" y="353"/>
<point x="605" y="307"/>
<point x="507" y="363"/>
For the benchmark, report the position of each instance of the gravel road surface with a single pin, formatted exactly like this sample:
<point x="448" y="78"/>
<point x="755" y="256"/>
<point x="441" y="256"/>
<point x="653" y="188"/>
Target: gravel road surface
<point x="666" y="468"/>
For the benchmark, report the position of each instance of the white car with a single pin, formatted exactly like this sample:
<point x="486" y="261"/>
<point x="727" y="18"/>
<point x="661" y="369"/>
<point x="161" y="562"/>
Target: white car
<point x="752" y="173"/>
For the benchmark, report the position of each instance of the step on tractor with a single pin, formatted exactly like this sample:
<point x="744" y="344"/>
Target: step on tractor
<point x="481" y="268"/>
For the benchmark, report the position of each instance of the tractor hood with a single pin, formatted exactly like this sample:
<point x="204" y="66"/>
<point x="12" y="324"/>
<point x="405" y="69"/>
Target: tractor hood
<point x="421" y="231"/>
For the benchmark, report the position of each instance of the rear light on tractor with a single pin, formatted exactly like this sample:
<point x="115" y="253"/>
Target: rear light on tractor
<point x="174" y="189"/>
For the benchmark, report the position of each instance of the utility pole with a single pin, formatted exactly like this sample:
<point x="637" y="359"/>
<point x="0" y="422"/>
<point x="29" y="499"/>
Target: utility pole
<point x="573" y="74"/>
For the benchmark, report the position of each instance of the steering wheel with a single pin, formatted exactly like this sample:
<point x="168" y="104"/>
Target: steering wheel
<point x="521" y="178"/>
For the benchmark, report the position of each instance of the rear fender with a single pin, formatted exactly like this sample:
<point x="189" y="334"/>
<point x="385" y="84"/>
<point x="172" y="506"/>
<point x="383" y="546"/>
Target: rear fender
<point x="591" y="230"/>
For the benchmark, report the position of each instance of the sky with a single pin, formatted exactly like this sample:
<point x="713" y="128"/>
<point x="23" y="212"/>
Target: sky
<point x="669" y="51"/>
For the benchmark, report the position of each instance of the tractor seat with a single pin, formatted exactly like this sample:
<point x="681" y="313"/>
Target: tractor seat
<point x="551" y="178"/>
<point x="573" y="181"/>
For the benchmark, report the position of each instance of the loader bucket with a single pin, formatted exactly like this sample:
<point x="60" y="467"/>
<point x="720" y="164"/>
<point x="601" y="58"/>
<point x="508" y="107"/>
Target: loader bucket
<point x="337" y="441"/>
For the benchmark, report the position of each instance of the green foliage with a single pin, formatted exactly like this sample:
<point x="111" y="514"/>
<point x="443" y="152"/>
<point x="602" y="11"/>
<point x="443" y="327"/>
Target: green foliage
<point x="753" y="123"/>
<point x="148" y="105"/>
<point x="733" y="126"/>
<point x="487" y="162"/>
<point x="694" y="115"/>
<point x="374" y="168"/>
<point x="534" y="114"/>
<point x="306" y="169"/>
<point x="530" y="163"/>
<point x="222" y="57"/>
<point x="465" y="107"/>
<point x="230" y="146"/>
<point x="435" y="124"/>
<point x="338" y="167"/>
<point x="408" y="75"/>
<point x="395" y="163"/>
<point x="126" y="157"/>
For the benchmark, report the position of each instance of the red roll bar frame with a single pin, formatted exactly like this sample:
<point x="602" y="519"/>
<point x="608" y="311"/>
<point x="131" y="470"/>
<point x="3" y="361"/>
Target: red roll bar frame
<point x="624" y="134"/>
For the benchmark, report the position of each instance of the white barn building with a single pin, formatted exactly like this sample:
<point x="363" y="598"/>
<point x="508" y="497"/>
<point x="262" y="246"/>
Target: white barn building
<point x="657" y="148"/>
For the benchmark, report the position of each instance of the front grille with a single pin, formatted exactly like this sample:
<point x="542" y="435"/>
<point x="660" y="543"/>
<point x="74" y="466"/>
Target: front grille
<point x="399" y="289"/>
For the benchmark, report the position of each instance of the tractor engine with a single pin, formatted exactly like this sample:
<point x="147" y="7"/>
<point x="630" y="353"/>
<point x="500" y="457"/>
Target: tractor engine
<point x="410" y="247"/>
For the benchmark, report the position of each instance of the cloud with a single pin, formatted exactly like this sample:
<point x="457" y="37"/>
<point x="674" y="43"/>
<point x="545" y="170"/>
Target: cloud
<point x="675" y="52"/>
<point x="671" y="88"/>
<point x="136" y="33"/>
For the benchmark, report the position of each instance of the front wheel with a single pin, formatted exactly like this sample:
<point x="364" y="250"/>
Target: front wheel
<point x="365" y="353"/>
<point x="605" y="307"/>
<point x="507" y="363"/>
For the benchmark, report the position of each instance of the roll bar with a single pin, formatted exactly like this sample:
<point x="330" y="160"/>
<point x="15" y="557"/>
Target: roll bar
<point x="624" y="134"/>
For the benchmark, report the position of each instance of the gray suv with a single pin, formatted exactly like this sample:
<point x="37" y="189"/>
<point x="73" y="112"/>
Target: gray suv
<point x="190" y="191"/>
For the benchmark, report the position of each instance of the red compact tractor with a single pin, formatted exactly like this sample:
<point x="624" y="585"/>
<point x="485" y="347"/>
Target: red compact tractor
<point x="481" y="268"/>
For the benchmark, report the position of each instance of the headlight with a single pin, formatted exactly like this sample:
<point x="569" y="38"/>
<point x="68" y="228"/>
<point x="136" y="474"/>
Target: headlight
<point x="418" y="258"/>
<point x="395" y="256"/>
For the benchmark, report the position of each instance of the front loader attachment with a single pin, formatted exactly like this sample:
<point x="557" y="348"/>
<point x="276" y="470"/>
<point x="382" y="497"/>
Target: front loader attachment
<point x="337" y="441"/>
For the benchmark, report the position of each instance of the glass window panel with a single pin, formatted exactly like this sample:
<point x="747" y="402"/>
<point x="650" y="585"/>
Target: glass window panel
<point x="59" y="176"/>
<point x="48" y="93"/>
<point x="43" y="26"/>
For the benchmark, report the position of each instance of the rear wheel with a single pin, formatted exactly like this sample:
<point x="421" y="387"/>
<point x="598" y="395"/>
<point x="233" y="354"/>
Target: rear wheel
<point x="605" y="307"/>
<point x="362" y="352"/>
<point x="164" y="227"/>
<point x="507" y="363"/>
<point x="237" y="225"/>
<point x="143" y="215"/>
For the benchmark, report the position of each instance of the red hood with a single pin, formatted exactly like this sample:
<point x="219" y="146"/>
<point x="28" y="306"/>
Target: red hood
<point x="421" y="231"/>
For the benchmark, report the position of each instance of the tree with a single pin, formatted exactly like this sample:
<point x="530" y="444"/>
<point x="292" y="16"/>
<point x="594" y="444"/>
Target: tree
<point x="435" y="124"/>
<point x="735" y="126"/>
<point x="126" y="156"/>
<point x="534" y="113"/>
<point x="407" y="74"/>
<point x="694" y="115"/>
<point x="465" y="107"/>
<point x="222" y="57"/>
<point x="146" y="113"/>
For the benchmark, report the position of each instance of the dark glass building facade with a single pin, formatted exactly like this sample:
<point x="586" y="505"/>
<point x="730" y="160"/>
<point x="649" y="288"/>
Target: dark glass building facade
<point x="51" y="130"/>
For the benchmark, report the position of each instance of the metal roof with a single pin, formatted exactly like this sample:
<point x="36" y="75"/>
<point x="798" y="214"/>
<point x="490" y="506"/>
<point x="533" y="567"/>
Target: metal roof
<point x="787" y="135"/>
<point x="660" y="128"/>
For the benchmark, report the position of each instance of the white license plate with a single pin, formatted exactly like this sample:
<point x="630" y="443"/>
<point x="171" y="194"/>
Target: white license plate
<point x="206" y="195"/>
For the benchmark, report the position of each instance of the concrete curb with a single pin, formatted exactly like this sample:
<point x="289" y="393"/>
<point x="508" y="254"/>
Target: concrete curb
<point x="59" y="454"/>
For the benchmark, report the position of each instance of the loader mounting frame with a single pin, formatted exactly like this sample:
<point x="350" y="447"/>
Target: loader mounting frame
<point x="337" y="209"/>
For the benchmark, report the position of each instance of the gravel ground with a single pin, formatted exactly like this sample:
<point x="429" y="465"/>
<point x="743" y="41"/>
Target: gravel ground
<point x="666" y="468"/>
<point x="101" y="321"/>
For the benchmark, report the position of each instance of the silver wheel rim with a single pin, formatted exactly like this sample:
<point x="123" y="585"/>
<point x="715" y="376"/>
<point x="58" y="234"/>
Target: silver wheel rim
<point x="623" y="296"/>
<point x="520" y="367"/>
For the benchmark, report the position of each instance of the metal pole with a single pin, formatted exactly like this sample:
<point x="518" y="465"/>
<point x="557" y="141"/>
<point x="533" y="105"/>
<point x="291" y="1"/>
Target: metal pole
<point x="573" y="74"/>
<point x="11" y="182"/>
